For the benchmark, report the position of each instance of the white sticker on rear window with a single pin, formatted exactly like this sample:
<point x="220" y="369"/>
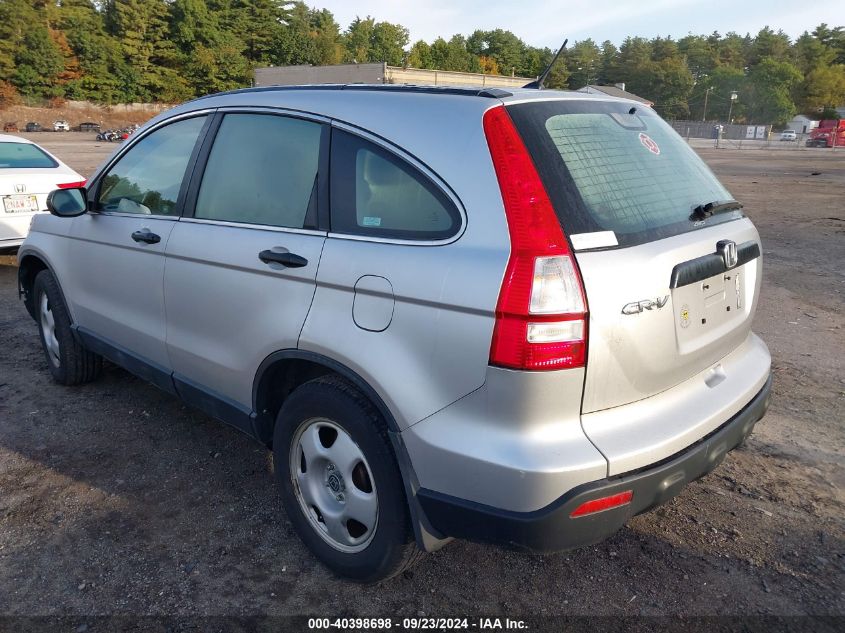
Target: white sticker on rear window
<point x="599" y="239"/>
<point x="649" y="143"/>
<point x="371" y="221"/>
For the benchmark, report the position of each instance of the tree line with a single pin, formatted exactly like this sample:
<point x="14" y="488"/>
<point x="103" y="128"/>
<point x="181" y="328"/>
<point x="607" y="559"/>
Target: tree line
<point x="118" y="51"/>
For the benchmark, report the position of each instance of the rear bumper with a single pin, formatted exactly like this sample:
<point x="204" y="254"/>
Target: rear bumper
<point x="11" y="244"/>
<point x="552" y="528"/>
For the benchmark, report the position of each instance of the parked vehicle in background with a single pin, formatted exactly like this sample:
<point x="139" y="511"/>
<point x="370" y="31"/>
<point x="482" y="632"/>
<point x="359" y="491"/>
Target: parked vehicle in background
<point x="88" y="126"/>
<point x="788" y="135"/>
<point x="27" y="174"/>
<point x="519" y="317"/>
<point x="110" y="136"/>
<point x="61" y="126"/>
<point x="830" y="132"/>
<point x="10" y="126"/>
<point x="32" y="126"/>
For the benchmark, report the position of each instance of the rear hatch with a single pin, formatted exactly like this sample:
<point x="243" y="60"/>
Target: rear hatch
<point x="670" y="265"/>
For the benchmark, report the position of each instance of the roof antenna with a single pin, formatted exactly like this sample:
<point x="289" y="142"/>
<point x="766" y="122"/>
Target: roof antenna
<point x="538" y="84"/>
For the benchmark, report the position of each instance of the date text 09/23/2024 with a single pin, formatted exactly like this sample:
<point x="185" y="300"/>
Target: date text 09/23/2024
<point x="416" y="623"/>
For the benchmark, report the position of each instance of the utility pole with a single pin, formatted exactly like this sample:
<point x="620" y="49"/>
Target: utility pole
<point x="734" y="95"/>
<point x="706" y="94"/>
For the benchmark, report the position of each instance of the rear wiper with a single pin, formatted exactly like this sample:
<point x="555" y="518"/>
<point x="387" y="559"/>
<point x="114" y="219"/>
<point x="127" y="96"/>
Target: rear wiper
<point x="704" y="211"/>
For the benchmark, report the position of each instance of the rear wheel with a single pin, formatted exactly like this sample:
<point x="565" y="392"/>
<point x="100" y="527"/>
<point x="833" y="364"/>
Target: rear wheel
<point x="340" y="483"/>
<point x="69" y="362"/>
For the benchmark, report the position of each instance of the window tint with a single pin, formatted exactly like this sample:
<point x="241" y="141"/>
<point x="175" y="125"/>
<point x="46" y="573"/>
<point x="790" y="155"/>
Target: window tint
<point x="24" y="156"/>
<point x="148" y="177"/>
<point x="609" y="169"/>
<point x="376" y="193"/>
<point x="262" y="170"/>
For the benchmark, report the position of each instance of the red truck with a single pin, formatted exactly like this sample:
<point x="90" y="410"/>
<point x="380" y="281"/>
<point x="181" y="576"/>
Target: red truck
<point x="829" y="133"/>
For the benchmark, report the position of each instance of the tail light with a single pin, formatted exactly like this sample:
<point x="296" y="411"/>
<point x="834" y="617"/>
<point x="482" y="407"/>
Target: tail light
<point x="71" y="185"/>
<point x="541" y="314"/>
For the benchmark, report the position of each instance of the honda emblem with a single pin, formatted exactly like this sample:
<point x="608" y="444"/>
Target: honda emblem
<point x="727" y="249"/>
<point x="21" y="188"/>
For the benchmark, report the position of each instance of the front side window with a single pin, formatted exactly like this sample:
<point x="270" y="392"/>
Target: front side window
<point x="262" y="169"/>
<point x="376" y="193"/>
<point x="147" y="179"/>
<point x="24" y="156"/>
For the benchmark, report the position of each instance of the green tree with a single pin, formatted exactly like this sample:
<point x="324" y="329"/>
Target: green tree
<point x="369" y="41"/>
<point x="357" y="39"/>
<point x="768" y="92"/>
<point x="771" y="45"/>
<point x="388" y="42"/>
<point x="608" y="62"/>
<point x="503" y="46"/>
<point x="141" y="27"/>
<point x="700" y="54"/>
<point x="324" y="32"/>
<point x="584" y="62"/>
<point x="823" y="88"/>
<point x="38" y="64"/>
<point x="810" y="53"/>
<point x="17" y="18"/>
<point x="256" y="23"/>
<point x="420" y="55"/>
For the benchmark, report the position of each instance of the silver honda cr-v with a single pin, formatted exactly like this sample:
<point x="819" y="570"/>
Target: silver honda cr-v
<point x="518" y="317"/>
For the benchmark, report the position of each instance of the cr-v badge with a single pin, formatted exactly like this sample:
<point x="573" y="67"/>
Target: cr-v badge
<point x="635" y="307"/>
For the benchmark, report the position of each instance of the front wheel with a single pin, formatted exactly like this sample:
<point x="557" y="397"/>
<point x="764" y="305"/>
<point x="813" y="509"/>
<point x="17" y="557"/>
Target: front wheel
<point x="69" y="362"/>
<point x="340" y="483"/>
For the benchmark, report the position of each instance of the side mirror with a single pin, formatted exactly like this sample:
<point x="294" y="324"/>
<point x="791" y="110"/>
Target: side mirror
<point x="67" y="203"/>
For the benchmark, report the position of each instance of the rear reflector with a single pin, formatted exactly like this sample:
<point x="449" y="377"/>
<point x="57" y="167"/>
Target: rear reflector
<point x="71" y="185"/>
<point x="605" y="503"/>
<point x="541" y="312"/>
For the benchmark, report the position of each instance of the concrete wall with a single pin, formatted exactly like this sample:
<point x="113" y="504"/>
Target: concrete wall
<point x="377" y="74"/>
<point x="306" y="74"/>
<point x="422" y="76"/>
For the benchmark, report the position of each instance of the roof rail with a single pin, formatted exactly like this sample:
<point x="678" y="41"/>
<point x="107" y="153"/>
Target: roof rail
<point x="489" y="93"/>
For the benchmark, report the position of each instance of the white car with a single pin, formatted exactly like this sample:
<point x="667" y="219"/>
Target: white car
<point x="61" y="126"/>
<point x="788" y="135"/>
<point x="27" y="174"/>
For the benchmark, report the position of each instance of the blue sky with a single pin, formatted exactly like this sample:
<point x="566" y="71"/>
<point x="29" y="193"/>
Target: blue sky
<point x="546" y="23"/>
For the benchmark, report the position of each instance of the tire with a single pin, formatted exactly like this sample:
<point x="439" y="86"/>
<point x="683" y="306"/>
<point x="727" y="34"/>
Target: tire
<point x="69" y="362"/>
<point x="322" y="498"/>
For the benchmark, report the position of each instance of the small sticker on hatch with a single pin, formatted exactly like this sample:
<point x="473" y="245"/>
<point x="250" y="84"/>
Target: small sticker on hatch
<point x="371" y="221"/>
<point x="684" y="315"/>
<point x="649" y="143"/>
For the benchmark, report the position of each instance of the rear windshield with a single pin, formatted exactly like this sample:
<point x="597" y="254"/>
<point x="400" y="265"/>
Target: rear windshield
<point x="607" y="168"/>
<point x="24" y="156"/>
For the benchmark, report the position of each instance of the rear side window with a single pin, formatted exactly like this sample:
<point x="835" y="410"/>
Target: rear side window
<point x="376" y="193"/>
<point x="262" y="170"/>
<point x="24" y="156"/>
<point x="148" y="177"/>
<point x="609" y="169"/>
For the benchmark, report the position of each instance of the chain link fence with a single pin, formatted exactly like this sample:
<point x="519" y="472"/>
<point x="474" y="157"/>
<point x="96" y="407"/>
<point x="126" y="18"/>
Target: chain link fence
<point x="701" y="134"/>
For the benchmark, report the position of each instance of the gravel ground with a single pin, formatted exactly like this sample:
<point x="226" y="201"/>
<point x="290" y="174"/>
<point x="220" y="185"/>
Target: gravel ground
<point x="117" y="499"/>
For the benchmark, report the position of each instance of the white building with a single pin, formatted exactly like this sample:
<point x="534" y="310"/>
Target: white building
<point x="801" y="124"/>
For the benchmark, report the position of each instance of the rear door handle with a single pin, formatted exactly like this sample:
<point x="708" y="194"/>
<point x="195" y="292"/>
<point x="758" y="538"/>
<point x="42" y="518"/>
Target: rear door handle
<point x="288" y="260"/>
<point x="146" y="236"/>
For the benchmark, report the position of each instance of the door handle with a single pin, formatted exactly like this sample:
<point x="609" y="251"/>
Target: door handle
<point x="288" y="260"/>
<point x="146" y="236"/>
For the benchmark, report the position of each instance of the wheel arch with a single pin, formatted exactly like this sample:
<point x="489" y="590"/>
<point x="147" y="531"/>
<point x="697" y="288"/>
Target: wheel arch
<point x="30" y="263"/>
<point x="281" y="372"/>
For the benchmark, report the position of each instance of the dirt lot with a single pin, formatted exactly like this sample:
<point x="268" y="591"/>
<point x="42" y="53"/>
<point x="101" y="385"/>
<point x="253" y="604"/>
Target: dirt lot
<point x="117" y="499"/>
<point x="75" y="113"/>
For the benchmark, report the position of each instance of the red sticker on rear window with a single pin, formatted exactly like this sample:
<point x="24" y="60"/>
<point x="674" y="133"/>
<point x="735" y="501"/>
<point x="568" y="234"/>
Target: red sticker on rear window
<point x="649" y="143"/>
